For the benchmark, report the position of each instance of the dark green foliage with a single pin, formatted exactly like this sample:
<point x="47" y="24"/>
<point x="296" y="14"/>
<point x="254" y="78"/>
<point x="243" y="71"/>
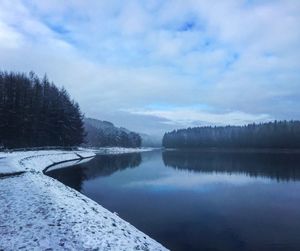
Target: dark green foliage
<point x="34" y="112"/>
<point x="277" y="134"/>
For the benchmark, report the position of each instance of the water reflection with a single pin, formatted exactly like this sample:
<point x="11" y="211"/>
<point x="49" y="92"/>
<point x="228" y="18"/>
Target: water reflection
<point x="101" y="165"/>
<point x="282" y="166"/>
<point x="199" y="200"/>
<point x="105" y="165"/>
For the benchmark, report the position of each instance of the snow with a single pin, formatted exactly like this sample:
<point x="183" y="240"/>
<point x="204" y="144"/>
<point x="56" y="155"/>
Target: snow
<point x="66" y="164"/>
<point x="40" y="213"/>
<point x="37" y="160"/>
<point x="119" y="150"/>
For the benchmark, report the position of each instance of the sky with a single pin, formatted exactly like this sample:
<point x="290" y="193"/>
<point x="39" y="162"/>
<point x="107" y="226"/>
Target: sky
<point x="154" y="65"/>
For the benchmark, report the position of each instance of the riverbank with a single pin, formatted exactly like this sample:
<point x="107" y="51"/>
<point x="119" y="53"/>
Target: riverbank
<point x="39" y="212"/>
<point x="119" y="150"/>
<point x="37" y="161"/>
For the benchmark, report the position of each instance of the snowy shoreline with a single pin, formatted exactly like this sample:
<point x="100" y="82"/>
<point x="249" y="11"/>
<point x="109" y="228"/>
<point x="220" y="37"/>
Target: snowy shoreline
<point x="38" y="212"/>
<point x="22" y="161"/>
<point x="119" y="150"/>
<point x="37" y="161"/>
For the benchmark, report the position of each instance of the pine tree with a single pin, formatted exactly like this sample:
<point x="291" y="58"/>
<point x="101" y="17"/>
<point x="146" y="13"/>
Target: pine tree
<point x="34" y="112"/>
<point x="277" y="134"/>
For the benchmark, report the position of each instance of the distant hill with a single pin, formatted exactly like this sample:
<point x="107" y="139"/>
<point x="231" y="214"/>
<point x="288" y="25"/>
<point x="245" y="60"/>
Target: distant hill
<point x="103" y="133"/>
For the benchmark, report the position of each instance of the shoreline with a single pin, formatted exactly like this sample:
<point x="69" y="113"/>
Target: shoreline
<point x="40" y="212"/>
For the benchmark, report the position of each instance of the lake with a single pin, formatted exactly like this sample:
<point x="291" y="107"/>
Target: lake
<point x="199" y="200"/>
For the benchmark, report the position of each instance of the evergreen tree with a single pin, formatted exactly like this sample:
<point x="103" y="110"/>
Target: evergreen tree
<point x="34" y="112"/>
<point x="277" y="134"/>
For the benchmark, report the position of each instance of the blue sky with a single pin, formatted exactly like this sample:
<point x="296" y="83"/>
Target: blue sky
<point x="156" y="65"/>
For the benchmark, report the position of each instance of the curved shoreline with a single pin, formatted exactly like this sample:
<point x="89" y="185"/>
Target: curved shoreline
<point x="58" y="216"/>
<point x="66" y="162"/>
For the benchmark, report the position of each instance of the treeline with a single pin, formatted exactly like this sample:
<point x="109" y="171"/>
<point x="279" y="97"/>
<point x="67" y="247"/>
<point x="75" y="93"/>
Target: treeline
<point x="102" y="133"/>
<point x="34" y="112"/>
<point x="277" y="134"/>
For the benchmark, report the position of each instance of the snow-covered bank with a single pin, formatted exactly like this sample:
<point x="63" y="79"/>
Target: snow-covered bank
<point x="38" y="160"/>
<point x="23" y="161"/>
<point x="40" y="213"/>
<point x="119" y="150"/>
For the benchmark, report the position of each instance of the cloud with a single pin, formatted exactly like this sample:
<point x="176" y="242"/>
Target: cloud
<point x="117" y="59"/>
<point x="190" y="116"/>
<point x="9" y="38"/>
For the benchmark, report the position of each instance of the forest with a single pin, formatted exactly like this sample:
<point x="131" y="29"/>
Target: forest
<point x="277" y="134"/>
<point x="103" y="133"/>
<point x="34" y="112"/>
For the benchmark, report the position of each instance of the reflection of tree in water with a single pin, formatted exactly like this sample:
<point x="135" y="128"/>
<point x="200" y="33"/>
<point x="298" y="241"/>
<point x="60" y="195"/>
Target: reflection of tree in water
<point x="279" y="166"/>
<point x="101" y="165"/>
<point x="104" y="165"/>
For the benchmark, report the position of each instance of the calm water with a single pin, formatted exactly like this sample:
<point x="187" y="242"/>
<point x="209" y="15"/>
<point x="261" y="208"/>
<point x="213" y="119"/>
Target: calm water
<point x="199" y="200"/>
